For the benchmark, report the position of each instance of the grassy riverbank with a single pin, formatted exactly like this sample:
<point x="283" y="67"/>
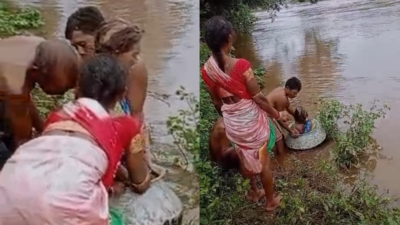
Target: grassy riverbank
<point x="313" y="191"/>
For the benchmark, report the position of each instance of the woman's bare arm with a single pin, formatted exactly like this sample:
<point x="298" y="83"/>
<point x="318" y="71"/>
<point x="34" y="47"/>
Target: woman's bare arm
<point x="137" y="87"/>
<point x="217" y="101"/>
<point x="139" y="172"/>
<point x="258" y="96"/>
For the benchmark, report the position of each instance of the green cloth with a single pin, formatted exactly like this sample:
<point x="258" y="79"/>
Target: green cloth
<point x="116" y="217"/>
<point x="271" y="140"/>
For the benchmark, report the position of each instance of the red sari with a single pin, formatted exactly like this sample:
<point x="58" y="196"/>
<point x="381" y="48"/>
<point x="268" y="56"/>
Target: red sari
<point x="112" y="134"/>
<point x="247" y="125"/>
<point x="66" y="176"/>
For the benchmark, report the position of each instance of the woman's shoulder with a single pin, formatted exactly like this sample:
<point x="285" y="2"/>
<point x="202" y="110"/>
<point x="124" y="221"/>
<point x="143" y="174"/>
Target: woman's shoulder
<point x="127" y="121"/>
<point x="242" y="62"/>
<point x="139" y="71"/>
<point x="242" y="65"/>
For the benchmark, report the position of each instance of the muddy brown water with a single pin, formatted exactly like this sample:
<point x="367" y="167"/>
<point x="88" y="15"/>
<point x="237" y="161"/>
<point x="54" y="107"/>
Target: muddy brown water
<point x="342" y="49"/>
<point x="170" y="49"/>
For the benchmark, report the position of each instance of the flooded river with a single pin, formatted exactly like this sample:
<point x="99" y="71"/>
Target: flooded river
<point x="170" y="49"/>
<point x="344" y="49"/>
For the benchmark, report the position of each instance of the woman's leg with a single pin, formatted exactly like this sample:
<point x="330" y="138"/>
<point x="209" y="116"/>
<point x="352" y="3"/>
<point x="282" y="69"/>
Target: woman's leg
<point x="255" y="194"/>
<point x="267" y="181"/>
<point x="280" y="152"/>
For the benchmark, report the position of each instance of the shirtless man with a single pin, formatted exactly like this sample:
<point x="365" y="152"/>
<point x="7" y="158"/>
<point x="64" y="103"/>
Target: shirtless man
<point x="24" y="62"/>
<point x="81" y="29"/>
<point x="279" y="99"/>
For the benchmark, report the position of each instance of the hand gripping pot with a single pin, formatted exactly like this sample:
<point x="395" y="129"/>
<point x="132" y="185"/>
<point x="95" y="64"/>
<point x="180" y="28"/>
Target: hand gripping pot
<point x="307" y="140"/>
<point x="159" y="205"/>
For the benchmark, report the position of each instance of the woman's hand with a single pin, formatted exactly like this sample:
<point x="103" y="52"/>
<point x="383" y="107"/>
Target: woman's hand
<point x="117" y="189"/>
<point x="138" y="168"/>
<point x="122" y="174"/>
<point x="142" y="187"/>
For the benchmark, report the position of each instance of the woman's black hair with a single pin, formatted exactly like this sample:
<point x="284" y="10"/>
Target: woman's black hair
<point x="299" y="115"/>
<point x="103" y="78"/>
<point x="217" y="32"/>
<point x="117" y="36"/>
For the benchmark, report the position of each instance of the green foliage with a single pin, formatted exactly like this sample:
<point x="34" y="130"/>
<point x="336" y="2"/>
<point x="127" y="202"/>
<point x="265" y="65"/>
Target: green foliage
<point x="47" y="103"/>
<point x="353" y="138"/>
<point x="14" y="20"/>
<point x="183" y="127"/>
<point x="259" y="74"/>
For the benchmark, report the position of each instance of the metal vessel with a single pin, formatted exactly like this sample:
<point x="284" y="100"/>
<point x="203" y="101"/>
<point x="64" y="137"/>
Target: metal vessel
<point x="307" y="140"/>
<point x="159" y="205"/>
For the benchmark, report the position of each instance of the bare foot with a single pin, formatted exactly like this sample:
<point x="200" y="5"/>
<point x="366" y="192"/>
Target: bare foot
<point x="255" y="196"/>
<point x="274" y="204"/>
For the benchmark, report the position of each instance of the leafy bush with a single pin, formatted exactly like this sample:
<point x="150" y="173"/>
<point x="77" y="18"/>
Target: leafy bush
<point x="14" y="20"/>
<point x="259" y="74"/>
<point x="183" y="127"/>
<point x="353" y="138"/>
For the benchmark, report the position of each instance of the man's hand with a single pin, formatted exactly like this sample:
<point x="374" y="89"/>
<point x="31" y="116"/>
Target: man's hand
<point x="294" y="133"/>
<point x="119" y="188"/>
<point x="284" y="117"/>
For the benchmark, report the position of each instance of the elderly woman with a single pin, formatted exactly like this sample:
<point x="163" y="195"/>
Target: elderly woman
<point x="24" y="62"/>
<point x="78" y="153"/>
<point x="122" y="39"/>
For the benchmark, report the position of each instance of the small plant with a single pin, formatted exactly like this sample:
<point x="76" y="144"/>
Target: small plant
<point x="259" y="75"/>
<point x="350" y="127"/>
<point x="14" y="20"/>
<point x="183" y="127"/>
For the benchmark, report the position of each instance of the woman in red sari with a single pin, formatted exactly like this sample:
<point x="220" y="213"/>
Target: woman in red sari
<point x="245" y="109"/>
<point x="63" y="176"/>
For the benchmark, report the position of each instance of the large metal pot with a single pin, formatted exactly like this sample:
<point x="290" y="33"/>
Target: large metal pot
<point x="307" y="140"/>
<point x="159" y="205"/>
